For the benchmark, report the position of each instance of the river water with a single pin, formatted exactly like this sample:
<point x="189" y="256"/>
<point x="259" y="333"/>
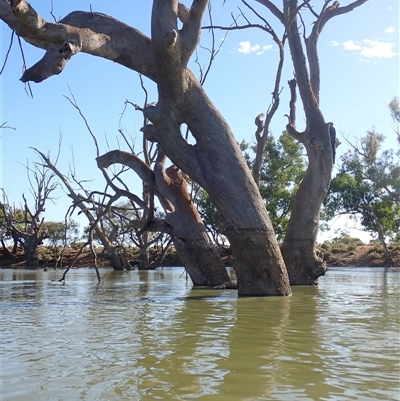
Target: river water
<point x="150" y="336"/>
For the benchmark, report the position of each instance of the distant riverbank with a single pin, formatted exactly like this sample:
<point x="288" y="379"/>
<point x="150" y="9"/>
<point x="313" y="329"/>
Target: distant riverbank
<point x="337" y="254"/>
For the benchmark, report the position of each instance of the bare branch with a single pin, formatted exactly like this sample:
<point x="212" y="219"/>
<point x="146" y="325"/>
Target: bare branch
<point x="8" y="52"/>
<point x="4" y="126"/>
<point x="273" y="8"/>
<point x="74" y="103"/>
<point x="191" y="29"/>
<point x="290" y="127"/>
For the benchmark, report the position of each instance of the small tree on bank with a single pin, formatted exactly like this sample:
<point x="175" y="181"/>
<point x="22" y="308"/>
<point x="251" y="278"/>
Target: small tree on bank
<point x="368" y="186"/>
<point x="25" y="223"/>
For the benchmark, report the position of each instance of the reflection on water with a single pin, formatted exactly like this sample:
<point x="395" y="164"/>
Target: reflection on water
<point x="150" y="336"/>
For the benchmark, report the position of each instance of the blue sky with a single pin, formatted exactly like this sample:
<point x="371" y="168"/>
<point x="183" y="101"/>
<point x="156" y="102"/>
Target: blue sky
<point x="359" y="57"/>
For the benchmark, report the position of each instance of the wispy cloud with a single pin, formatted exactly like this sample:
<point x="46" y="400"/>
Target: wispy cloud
<point x="333" y="43"/>
<point x="371" y="48"/>
<point x="246" y="47"/>
<point x="390" y="29"/>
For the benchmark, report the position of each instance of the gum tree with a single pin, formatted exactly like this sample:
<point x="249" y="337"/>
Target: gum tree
<point x="214" y="161"/>
<point x="299" y="246"/>
<point x="368" y="186"/>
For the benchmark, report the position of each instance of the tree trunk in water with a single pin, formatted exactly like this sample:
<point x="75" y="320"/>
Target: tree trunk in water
<point x="388" y="257"/>
<point x="182" y="222"/>
<point x="303" y="264"/>
<point x="31" y="254"/>
<point x="199" y="256"/>
<point x="264" y="277"/>
<point x="202" y="262"/>
<point x="215" y="160"/>
<point x="143" y="262"/>
<point x="117" y="260"/>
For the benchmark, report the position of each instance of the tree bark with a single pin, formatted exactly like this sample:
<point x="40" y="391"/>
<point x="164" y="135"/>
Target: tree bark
<point x="215" y="161"/>
<point x="299" y="246"/>
<point x="30" y="248"/>
<point x="199" y="256"/>
<point x="389" y="262"/>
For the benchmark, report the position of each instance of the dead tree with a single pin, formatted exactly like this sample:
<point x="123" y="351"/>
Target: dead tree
<point x="24" y="224"/>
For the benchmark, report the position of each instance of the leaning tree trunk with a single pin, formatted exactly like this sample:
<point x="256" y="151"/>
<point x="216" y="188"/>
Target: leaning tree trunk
<point x="198" y="255"/>
<point x="215" y="161"/>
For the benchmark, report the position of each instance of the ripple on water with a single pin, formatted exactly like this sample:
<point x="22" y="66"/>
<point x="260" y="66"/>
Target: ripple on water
<point x="148" y="335"/>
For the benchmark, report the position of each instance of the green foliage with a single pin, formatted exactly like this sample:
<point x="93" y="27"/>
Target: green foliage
<point x="58" y="233"/>
<point x="76" y="245"/>
<point x="394" y="107"/>
<point x="345" y="238"/>
<point x="368" y="186"/>
<point x="211" y="217"/>
<point x="282" y="170"/>
<point x="10" y="215"/>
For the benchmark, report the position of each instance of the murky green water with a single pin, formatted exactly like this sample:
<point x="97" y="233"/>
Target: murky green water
<point x="149" y="336"/>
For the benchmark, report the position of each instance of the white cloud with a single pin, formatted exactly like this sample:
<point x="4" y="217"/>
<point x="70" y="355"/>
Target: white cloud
<point x="350" y="45"/>
<point x="267" y="47"/>
<point x="390" y="29"/>
<point x="246" y="47"/>
<point x="371" y="48"/>
<point x="333" y="43"/>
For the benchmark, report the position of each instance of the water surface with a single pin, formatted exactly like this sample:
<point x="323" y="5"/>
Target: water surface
<point x="150" y="336"/>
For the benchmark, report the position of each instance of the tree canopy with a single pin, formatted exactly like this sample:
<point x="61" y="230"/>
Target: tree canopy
<point x="368" y="186"/>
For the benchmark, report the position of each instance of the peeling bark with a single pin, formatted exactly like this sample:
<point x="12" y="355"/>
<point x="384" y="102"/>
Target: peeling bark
<point x="199" y="256"/>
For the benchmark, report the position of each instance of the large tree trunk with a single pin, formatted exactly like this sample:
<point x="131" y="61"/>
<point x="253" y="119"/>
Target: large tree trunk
<point x="30" y="248"/>
<point x="299" y="246"/>
<point x="117" y="261"/>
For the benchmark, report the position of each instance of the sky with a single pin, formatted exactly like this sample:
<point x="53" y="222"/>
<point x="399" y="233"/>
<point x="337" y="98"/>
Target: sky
<point x="359" y="59"/>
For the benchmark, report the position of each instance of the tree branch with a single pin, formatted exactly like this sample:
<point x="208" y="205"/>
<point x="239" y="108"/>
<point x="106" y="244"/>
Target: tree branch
<point x="92" y="33"/>
<point x="190" y="32"/>
<point x="273" y="8"/>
